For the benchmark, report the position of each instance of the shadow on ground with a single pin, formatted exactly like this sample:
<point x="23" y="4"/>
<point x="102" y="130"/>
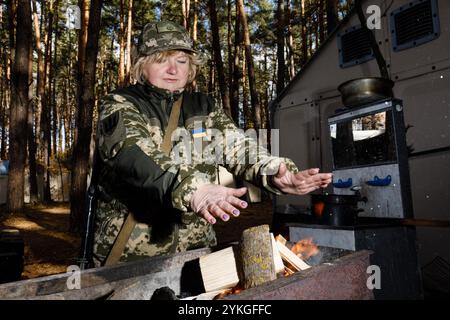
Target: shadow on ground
<point x="49" y="247"/>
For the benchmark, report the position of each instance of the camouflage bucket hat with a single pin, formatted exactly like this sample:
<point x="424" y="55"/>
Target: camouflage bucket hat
<point x="162" y="36"/>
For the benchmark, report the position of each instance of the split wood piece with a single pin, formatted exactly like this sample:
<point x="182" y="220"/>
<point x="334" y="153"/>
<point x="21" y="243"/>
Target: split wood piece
<point x="219" y="270"/>
<point x="291" y="258"/>
<point x="288" y="271"/>
<point x="281" y="239"/>
<point x="257" y="256"/>
<point x="277" y="260"/>
<point x="206" y="295"/>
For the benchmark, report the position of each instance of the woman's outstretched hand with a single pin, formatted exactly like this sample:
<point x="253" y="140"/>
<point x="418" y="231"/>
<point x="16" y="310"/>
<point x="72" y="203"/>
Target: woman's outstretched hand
<point x="302" y="182"/>
<point x="212" y="201"/>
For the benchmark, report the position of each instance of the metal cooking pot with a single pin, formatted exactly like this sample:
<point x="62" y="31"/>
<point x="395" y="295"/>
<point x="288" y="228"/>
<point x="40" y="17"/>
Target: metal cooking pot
<point x="365" y="90"/>
<point x="336" y="210"/>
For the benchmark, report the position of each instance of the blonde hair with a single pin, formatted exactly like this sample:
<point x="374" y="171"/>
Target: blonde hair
<point x="157" y="57"/>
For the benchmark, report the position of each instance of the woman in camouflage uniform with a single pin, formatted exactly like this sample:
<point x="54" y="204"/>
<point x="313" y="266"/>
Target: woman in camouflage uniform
<point x="174" y="202"/>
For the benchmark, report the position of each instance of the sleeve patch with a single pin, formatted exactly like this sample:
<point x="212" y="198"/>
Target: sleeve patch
<point x="112" y="134"/>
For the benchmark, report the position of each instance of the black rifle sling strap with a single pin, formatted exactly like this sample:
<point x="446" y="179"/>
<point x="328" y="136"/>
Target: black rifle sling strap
<point x="130" y="221"/>
<point x="87" y="241"/>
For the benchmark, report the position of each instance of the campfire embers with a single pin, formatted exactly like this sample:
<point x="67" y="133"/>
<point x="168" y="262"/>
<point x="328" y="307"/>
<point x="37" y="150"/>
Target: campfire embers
<point x="344" y="278"/>
<point x="259" y="258"/>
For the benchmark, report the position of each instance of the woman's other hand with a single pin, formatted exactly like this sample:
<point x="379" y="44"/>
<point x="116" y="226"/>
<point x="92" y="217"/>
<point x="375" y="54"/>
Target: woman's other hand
<point x="215" y="201"/>
<point x="302" y="182"/>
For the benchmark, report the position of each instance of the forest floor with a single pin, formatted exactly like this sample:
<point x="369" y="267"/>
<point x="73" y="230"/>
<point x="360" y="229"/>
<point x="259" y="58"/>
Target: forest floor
<point x="50" y="248"/>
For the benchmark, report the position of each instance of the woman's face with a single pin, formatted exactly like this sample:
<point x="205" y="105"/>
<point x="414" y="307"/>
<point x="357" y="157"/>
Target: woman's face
<point x="170" y="74"/>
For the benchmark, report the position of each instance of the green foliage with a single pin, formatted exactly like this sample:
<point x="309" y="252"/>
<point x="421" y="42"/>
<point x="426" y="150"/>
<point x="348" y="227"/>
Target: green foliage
<point x="262" y="21"/>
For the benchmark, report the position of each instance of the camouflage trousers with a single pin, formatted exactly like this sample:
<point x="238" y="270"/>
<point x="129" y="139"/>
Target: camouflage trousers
<point x="110" y="218"/>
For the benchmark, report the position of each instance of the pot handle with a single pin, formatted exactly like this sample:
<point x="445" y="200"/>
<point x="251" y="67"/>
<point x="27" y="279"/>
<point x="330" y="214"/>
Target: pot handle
<point x="377" y="182"/>
<point x="343" y="184"/>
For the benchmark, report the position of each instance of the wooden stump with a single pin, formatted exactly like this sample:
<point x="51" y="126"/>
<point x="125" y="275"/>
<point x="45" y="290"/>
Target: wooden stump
<point x="257" y="256"/>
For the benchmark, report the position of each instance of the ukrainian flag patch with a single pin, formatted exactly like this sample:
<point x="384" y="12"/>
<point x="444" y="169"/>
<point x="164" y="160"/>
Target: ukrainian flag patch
<point x="199" y="132"/>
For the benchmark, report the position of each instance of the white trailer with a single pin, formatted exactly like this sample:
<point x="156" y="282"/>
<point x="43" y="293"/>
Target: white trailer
<point x="418" y="59"/>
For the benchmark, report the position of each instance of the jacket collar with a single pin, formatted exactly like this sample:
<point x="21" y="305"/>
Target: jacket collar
<point x="159" y="93"/>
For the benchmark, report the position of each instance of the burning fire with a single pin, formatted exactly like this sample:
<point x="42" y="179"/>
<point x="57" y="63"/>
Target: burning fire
<point x="305" y="249"/>
<point x="226" y="292"/>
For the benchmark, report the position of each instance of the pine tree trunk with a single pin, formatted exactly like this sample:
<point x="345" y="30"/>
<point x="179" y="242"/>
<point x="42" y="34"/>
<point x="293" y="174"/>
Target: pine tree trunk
<point x="185" y="8"/>
<point x="19" y="109"/>
<point x="218" y="57"/>
<point x="81" y="153"/>
<point x="129" y="33"/>
<point x="266" y="121"/>
<point x="332" y="18"/>
<point x="9" y="62"/>
<point x="194" y="23"/>
<point x="246" y="110"/>
<point x="280" y="46"/>
<point x="290" y="41"/>
<point x="66" y="116"/>
<point x="233" y="111"/>
<point x="121" y="75"/>
<point x="315" y="23"/>
<point x="304" y="50"/>
<point x="46" y="105"/>
<point x="3" y="107"/>
<point x="82" y="40"/>
<point x="211" y="83"/>
<point x="237" y="74"/>
<point x="40" y="83"/>
<point x="321" y="24"/>
<point x="12" y="9"/>
<point x="251" y="71"/>
<point x="2" y="94"/>
<point x="30" y="135"/>
<point x="84" y="5"/>
<point x="53" y="104"/>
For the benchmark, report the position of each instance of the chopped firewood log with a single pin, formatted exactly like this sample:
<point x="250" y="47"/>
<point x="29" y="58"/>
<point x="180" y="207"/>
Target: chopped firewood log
<point x="281" y="239"/>
<point x="254" y="262"/>
<point x="219" y="270"/>
<point x="257" y="256"/>
<point x="207" y="295"/>
<point x="278" y="261"/>
<point x="288" y="271"/>
<point x="291" y="258"/>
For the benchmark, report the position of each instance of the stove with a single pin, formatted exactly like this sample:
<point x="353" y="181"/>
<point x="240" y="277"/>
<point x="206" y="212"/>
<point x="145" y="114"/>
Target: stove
<point x="370" y="155"/>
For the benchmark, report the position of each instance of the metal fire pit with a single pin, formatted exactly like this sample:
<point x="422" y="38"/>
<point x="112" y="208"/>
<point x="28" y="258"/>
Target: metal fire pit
<point x="335" y="275"/>
<point x="344" y="278"/>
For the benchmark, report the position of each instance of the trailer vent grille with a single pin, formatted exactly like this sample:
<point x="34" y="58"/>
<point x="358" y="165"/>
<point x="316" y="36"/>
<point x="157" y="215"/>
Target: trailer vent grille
<point x="354" y="47"/>
<point x="414" y="24"/>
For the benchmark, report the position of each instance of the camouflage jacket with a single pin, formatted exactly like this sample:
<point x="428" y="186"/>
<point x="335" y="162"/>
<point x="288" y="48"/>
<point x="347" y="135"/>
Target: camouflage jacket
<point x="138" y="178"/>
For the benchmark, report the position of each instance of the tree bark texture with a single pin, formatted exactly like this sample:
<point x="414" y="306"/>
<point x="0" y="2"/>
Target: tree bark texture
<point x="129" y="33"/>
<point x="280" y="47"/>
<point x="218" y="57"/>
<point x="257" y="256"/>
<point x="251" y="70"/>
<point x="19" y="109"/>
<point x="332" y="18"/>
<point x="81" y="153"/>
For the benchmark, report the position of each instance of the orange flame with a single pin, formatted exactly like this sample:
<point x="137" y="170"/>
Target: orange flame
<point x="229" y="291"/>
<point x="318" y="208"/>
<point x="305" y="248"/>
